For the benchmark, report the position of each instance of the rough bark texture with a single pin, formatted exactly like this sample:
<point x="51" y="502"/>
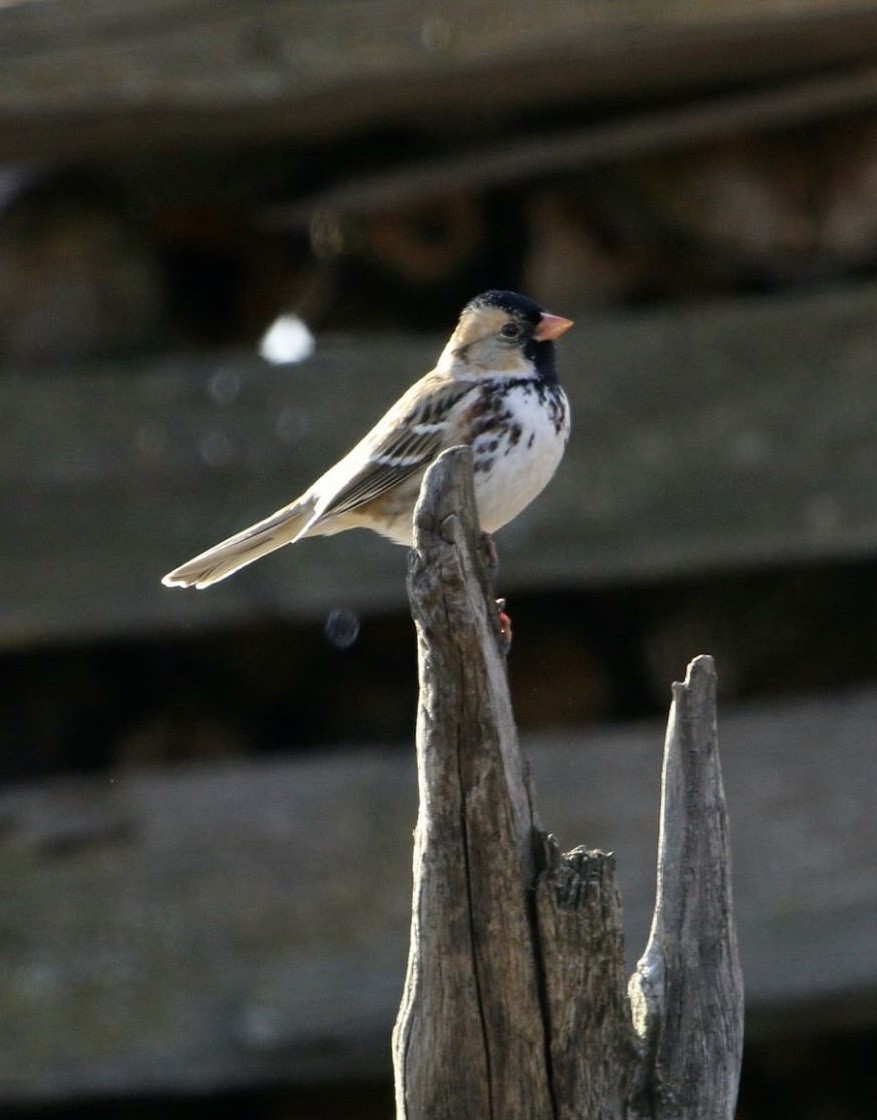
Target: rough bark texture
<point x="514" y="1004"/>
<point x="687" y="990"/>
<point x="582" y="959"/>
<point x="469" y="1041"/>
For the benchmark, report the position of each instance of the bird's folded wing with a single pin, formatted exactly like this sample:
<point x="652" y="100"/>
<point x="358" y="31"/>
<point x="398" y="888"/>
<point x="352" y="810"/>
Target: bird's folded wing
<point x="406" y="440"/>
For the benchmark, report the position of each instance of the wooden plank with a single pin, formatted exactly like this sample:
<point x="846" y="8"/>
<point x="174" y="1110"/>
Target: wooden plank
<point x="108" y="73"/>
<point x="214" y="927"/>
<point x="111" y="478"/>
<point x="543" y="153"/>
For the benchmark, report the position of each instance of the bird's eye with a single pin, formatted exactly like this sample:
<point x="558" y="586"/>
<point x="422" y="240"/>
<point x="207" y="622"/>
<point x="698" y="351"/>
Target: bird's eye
<point x="511" y="330"/>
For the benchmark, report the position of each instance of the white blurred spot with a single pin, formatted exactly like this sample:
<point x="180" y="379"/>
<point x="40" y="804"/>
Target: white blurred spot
<point x="225" y="385"/>
<point x="342" y="628"/>
<point x="215" y="448"/>
<point x="150" y="441"/>
<point x="290" y="425"/>
<point x="286" y="340"/>
<point x="13" y="180"/>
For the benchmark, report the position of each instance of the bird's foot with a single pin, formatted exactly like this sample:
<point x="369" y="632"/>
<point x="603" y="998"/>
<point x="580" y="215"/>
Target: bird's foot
<point x="505" y="626"/>
<point x="491" y="558"/>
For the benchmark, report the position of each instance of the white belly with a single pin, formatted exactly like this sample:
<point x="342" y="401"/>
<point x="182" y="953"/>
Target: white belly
<point x="510" y="472"/>
<point x="514" y="460"/>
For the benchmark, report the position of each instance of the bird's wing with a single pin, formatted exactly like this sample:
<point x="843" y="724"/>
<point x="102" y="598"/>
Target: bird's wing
<point x="407" y="439"/>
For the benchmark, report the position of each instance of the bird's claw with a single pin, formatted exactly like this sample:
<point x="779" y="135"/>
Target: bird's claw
<point x="505" y="626"/>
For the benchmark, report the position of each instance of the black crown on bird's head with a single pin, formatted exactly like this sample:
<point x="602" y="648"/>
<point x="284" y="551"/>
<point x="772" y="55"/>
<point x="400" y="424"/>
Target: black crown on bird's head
<point x="510" y="302"/>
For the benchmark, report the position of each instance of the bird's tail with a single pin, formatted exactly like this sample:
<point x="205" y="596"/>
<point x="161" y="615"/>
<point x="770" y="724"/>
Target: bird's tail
<point x="243" y="548"/>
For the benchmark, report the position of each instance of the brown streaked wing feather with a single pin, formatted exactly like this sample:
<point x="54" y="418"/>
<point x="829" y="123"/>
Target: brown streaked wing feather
<point x="402" y="451"/>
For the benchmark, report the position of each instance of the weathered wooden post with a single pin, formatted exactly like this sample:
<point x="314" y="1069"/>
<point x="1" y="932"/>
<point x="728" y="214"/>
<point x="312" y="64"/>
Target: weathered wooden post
<point x="515" y="1004"/>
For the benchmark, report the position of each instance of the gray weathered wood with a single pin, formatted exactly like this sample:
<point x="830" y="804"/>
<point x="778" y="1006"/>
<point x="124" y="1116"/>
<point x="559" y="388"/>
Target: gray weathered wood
<point x="120" y="74"/>
<point x="108" y="479"/>
<point x="581" y="950"/>
<point x="279" y="890"/>
<point x="687" y="990"/>
<point x="469" y="1042"/>
<point x="517" y="1009"/>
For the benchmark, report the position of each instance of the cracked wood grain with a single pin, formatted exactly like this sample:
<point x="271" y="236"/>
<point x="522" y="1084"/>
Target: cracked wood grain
<point x="470" y="1040"/>
<point x="687" y="990"/>
<point x="581" y="950"/>
<point x="514" y="1004"/>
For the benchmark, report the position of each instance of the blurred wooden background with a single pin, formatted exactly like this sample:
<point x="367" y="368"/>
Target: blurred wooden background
<point x="205" y="827"/>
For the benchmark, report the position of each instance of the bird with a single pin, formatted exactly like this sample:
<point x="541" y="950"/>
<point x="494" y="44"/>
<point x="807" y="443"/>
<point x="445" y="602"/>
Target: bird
<point x="494" y="388"/>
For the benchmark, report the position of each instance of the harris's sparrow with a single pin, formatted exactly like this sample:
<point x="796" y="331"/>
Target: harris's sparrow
<point x="494" y="388"/>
